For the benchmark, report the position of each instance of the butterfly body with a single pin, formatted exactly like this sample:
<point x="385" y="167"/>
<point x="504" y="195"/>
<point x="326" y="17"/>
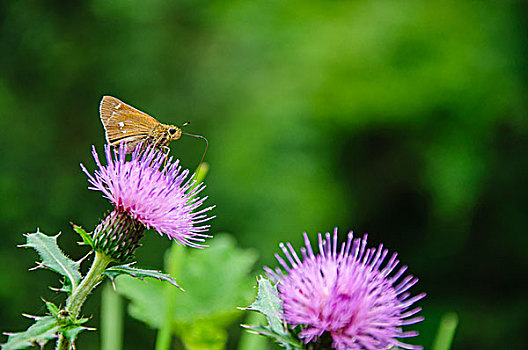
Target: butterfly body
<point x="163" y="134"/>
<point x="125" y="124"/>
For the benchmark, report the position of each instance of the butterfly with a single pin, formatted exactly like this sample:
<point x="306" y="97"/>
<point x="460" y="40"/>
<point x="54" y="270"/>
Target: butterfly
<point x="124" y="123"/>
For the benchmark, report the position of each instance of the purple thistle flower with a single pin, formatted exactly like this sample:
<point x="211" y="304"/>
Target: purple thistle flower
<point x="346" y="294"/>
<point x="156" y="195"/>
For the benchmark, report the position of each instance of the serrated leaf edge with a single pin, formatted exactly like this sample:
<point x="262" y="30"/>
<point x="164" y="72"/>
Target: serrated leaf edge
<point x="115" y="269"/>
<point x="74" y="282"/>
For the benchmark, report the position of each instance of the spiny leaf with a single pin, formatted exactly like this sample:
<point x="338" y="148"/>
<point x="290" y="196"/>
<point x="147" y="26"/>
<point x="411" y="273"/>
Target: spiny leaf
<point x="86" y="237"/>
<point x="52" y="308"/>
<point x="52" y="256"/>
<point x="269" y="304"/>
<point x="114" y="271"/>
<point x="43" y="330"/>
<point x="66" y="288"/>
<point x="71" y="332"/>
<point x="46" y="328"/>
<point x="287" y="341"/>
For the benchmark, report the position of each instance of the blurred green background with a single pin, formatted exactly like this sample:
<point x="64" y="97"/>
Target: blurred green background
<point x="406" y="120"/>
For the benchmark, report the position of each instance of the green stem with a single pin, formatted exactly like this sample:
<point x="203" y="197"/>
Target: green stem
<point x="446" y="331"/>
<point x="111" y="319"/>
<point x="164" y="337"/>
<point x="79" y="295"/>
<point x="173" y="262"/>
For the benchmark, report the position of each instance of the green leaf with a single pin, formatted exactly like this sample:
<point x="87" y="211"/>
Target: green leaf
<point x="206" y="336"/>
<point x="141" y="274"/>
<point x="147" y="303"/>
<point x="287" y="341"/>
<point x="43" y="330"/>
<point x="71" y="332"/>
<point x="216" y="282"/>
<point x="86" y="237"/>
<point x="66" y="288"/>
<point x="269" y="304"/>
<point x="52" y="257"/>
<point x="52" y="308"/>
<point x="46" y="328"/>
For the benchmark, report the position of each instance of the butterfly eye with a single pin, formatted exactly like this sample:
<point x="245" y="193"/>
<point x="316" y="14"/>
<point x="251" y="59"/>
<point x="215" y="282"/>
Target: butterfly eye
<point x="172" y="131"/>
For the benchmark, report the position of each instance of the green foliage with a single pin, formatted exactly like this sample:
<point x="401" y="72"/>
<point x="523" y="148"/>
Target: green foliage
<point x="86" y="237"/>
<point x="43" y="330"/>
<point x="53" y="258"/>
<point x="147" y="299"/>
<point x="269" y="304"/>
<point x="68" y="325"/>
<point x="203" y="335"/>
<point x="216" y="282"/>
<point x="60" y="321"/>
<point x="46" y="328"/>
<point x="141" y="274"/>
<point x="403" y="119"/>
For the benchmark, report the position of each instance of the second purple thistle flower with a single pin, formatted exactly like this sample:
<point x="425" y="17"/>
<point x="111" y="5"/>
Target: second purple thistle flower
<point x="153" y="192"/>
<point x="343" y="297"/>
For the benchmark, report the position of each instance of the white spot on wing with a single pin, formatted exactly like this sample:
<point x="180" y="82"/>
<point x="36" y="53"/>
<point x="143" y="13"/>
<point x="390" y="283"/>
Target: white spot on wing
<point x="121" y="125"/>
<point x="118" y="106"/>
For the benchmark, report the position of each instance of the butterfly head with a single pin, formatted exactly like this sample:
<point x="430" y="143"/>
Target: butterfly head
<point x="174" y="132"/>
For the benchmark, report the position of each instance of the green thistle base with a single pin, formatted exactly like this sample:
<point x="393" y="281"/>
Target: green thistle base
<point x="118" y="236"/>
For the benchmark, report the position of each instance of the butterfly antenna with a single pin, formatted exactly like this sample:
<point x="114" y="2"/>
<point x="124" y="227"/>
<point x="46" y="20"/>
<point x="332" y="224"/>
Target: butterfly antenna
<point x="206" y="146"/>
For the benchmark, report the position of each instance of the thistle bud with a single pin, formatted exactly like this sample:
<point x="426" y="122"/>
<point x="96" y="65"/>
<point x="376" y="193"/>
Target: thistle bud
<point x="118" y="235"/>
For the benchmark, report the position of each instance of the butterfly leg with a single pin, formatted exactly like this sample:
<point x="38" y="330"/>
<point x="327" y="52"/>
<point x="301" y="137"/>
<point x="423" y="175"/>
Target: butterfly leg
<point x="166" y="150"/>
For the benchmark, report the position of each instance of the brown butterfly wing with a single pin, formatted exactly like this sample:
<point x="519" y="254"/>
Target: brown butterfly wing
<point x="124" y="123"/>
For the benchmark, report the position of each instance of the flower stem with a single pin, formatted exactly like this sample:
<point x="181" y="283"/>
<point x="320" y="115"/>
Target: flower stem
<point x="79" y="295"/>
<point x="173" y="265"/>
<point x="111" y="319"/>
